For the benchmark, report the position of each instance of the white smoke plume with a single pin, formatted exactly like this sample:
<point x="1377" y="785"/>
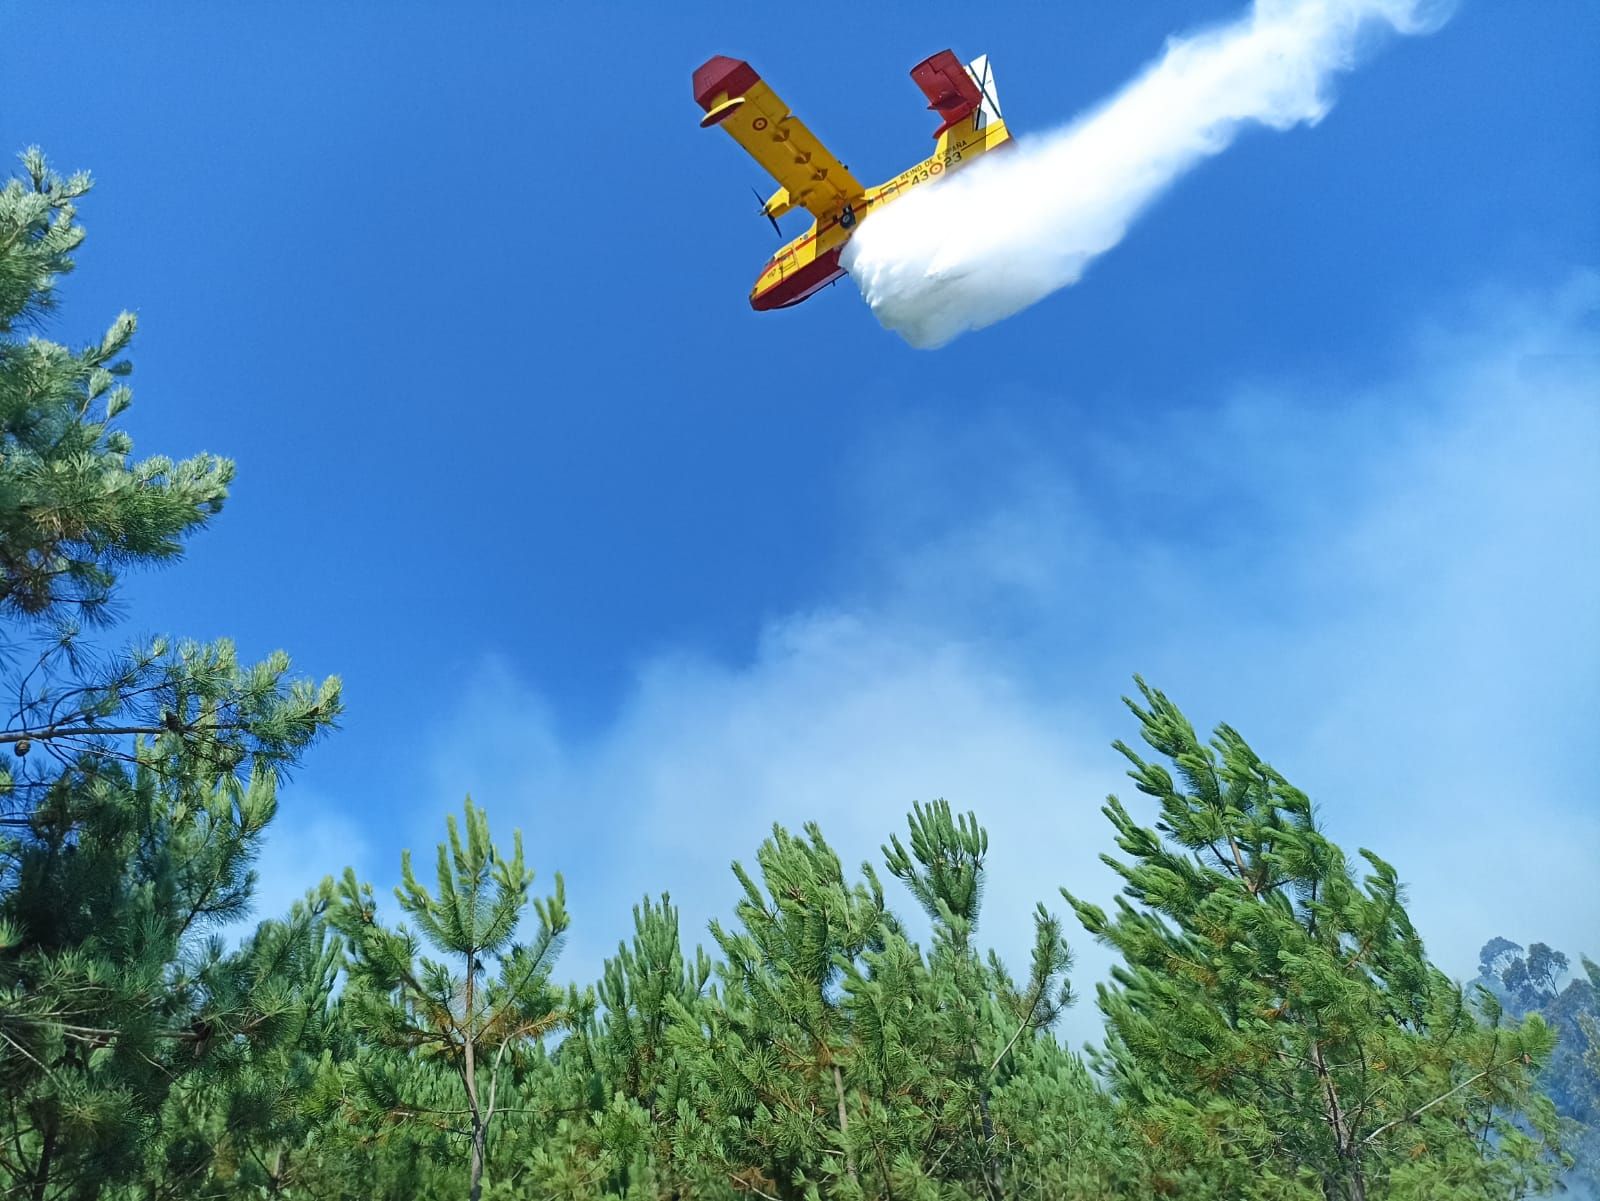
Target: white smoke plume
<point x="1014" y="227"/>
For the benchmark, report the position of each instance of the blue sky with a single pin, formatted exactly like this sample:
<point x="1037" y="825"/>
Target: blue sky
<point x="462" y="289"/>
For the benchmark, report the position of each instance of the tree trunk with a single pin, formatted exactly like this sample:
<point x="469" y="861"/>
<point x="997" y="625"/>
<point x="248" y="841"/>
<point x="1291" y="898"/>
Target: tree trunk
<point x="41" y="1177"/>
<point x="993" y="1174"/>
<point x="475" y="1189"/>
<point x="469" y="1076"/>
<point x="1351" y="1186"/>
<point x="844" y="1122"/>
<point x="275" y="1174"/>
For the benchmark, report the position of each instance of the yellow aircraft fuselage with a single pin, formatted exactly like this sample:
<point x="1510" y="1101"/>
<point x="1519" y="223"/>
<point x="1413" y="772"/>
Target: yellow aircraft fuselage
<point x="737" y="99"/>
<point x="811" y="261"/>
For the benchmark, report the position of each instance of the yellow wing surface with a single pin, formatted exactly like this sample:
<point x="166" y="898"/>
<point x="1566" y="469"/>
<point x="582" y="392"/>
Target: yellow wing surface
<point x="809" y="176"/>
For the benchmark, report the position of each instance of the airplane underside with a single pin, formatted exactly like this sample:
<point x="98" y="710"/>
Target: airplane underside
<point x="799" y="285"/>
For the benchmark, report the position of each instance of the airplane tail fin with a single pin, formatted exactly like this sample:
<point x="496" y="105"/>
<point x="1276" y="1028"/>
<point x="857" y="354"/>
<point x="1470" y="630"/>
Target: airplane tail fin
<point x="983" y="75"/>
<point x="957" y="92"/>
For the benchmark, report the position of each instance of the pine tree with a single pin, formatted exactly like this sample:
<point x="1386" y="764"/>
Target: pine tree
<point x="771" y="1102"/>
<point x="76" y="510"/>
<point x="639" y="989"/>
<point x="983" y="1016"/>
<point x="139" y="782"/>
<point x="621" y="1070"/>
<point x="1276" y="1029"/>
<point x="253" y="1130"/>
<point x="475" y="1026"/>
<point x="837" y="1059"/>
<point x="73" y="506"/>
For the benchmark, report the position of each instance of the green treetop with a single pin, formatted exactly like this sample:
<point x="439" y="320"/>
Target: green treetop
<point x="1275" y="1028"/>
<point x="979" y="1015"/>
<point x="75" y="507"/>
<point x="837" y="1059"/>
<point x="475" y="1014"/>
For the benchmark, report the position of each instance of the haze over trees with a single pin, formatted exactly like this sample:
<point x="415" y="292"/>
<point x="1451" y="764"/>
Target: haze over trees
<point x="1274" y="1028"/>
<point x="1536" y="981"/>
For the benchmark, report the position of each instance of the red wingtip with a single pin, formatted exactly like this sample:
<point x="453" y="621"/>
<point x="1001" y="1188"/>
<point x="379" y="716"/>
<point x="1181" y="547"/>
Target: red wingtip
<point x="721" y="75"/>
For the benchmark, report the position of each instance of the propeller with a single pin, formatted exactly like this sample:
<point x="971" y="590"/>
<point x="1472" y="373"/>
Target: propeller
<point x="763" y="211"/>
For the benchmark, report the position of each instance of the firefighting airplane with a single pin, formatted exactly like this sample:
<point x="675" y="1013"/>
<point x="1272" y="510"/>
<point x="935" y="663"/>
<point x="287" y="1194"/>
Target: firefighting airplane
<point x="809" y="177"/>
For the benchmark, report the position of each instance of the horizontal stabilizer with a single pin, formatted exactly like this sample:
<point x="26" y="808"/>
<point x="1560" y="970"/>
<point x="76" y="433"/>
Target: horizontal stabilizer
<point x="950" y="90"/>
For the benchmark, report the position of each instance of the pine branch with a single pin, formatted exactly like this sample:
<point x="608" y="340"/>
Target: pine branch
<point x="1417" y="1112"/>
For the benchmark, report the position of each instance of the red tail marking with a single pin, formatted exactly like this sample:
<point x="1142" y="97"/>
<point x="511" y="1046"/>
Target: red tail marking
<point x="949" y="89"/>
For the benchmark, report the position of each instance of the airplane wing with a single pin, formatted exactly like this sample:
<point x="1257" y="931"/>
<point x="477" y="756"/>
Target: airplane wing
<point x="735" y="97"/>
